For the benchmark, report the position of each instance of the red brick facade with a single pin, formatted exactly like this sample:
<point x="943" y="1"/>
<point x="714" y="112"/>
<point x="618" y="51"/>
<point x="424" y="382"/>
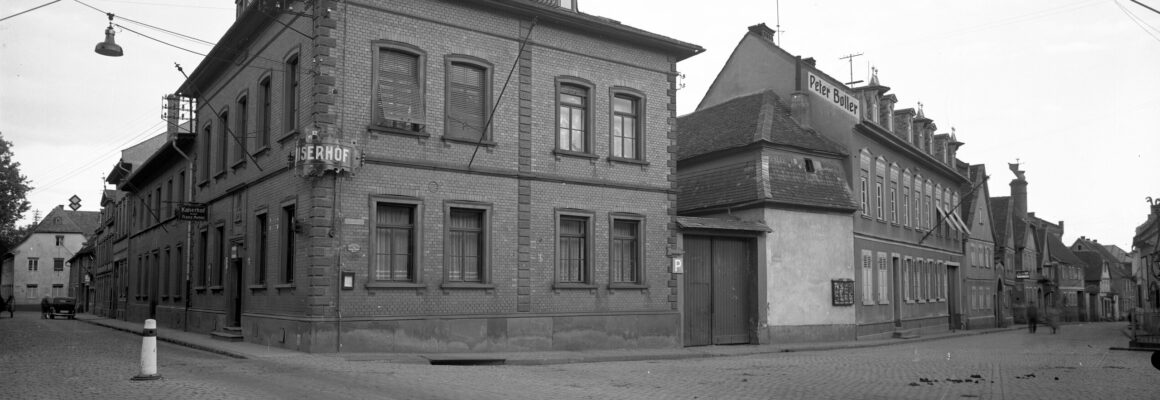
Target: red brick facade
<point x="518" y="183"/>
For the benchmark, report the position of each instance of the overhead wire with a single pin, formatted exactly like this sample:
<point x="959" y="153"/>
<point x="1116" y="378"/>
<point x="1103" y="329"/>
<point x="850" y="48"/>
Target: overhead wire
<point x="1136" y="19"/>
<point x="180" y="35"/>
<point x="30" y="9"/>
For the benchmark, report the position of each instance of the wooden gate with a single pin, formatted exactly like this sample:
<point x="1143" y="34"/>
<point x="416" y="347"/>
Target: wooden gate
<point x="719" y="290"/>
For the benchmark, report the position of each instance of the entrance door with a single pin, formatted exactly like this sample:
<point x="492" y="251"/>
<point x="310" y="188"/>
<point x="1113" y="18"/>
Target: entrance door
<point x="956" y="315"/>
<point x="238" y="280"/>
<point x="896" y="269"/>
<point x="718" y="290"/>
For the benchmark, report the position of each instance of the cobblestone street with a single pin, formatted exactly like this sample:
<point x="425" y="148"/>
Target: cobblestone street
<point x="60" y="359"/>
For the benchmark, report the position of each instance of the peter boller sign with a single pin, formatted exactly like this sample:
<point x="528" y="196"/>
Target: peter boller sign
<point x="837" y="96"/>
<point x="317" y="155"/>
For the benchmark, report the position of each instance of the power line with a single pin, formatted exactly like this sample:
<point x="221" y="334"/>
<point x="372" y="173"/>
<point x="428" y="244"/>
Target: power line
<point x="144" y="24"/>
<point x="516" y="62"/>
<point x="159" y="40"/>
<point x="30" y="9"/>
<point x="1137" y="21"/>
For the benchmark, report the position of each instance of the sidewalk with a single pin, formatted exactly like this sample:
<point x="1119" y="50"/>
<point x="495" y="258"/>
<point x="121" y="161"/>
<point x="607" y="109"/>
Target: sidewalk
<point x="245" y="350"/>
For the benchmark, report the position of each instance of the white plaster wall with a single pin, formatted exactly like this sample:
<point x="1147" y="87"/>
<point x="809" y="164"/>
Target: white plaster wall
<point x="803" y="253"/>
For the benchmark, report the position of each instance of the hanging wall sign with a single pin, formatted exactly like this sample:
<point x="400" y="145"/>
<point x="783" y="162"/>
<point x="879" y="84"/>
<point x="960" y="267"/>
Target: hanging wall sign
<point x="842" y="292"/>
<point x="315" y="155"/>
<point x="833" y="94"/>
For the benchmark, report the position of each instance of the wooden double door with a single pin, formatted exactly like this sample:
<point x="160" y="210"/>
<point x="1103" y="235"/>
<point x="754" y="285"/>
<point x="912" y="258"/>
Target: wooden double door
<point x="720" y="288"/>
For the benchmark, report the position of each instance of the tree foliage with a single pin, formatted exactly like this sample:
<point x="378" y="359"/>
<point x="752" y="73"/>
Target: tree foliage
<point x="13" y="197"/>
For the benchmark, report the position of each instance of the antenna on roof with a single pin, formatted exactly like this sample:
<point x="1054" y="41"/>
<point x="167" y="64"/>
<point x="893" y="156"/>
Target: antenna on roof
<point x="777" y="29"/>
<point x="851" y="58"/>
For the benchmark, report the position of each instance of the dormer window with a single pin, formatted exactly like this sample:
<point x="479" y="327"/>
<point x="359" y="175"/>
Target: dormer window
<point x="569" y="4"/>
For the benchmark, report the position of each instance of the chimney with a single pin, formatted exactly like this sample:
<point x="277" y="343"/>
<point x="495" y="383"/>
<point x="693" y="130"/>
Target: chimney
<point x="810" y="61"/>
<point x="800" y="108"/>
<point x="763" y="31"/>
<point x="1019" y="197"/>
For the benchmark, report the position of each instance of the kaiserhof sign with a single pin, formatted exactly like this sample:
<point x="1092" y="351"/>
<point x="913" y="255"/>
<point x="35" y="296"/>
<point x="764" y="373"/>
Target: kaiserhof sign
<point x="192" y="212"/>
<point x="314" y="155"/>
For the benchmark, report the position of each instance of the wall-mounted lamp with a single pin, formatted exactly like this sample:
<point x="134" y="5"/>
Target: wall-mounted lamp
<point x="109" y="47"/>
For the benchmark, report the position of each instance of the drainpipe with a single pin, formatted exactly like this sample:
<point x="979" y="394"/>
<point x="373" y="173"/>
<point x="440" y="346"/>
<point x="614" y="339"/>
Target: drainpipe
<point x="188" y="236"/>
<point x="335" y="232"/>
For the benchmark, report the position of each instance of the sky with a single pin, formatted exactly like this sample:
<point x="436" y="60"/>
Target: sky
<point x="1069" y="89"/>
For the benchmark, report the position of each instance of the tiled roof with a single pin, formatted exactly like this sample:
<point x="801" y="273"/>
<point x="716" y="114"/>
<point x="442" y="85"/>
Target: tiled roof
<point x="975" y="173"/>
<point x="1059" y="252"/>
<point x="742" y="121"/>
<point x="1093" y="269"/>
<point x="1000" y="208"/>
<point x="732" y="184"/>
<point x="60" y="220"/>
<point x="825" y="187"/>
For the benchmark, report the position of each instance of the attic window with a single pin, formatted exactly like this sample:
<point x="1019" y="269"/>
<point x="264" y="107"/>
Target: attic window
<point x="809" y="165"/>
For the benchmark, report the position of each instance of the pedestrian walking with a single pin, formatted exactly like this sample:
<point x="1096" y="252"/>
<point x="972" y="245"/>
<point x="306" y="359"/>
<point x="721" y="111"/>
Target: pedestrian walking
<point x="1053" y="316"/>
<point x="1032" y="316"/>
<point x="44" y="308"/>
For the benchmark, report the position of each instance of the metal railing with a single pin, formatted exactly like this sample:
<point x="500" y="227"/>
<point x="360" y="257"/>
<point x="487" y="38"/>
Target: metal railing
<point x="1145" y="328"/>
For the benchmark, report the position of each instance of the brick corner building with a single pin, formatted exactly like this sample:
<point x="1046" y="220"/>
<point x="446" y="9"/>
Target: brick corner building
<point x="488" y="175"/>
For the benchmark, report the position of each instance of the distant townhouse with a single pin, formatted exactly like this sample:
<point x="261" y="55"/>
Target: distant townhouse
<point x="37" y="264"/>
<point x="1117" y="285"/>
<point x="1063" y="271"/>
<point x="907" y="231"/>
<point x="752" y="179"/>
<point x="985" y="295"/>
<point x="1022" y="255"/>
<point x="119" y="211"/>
<point x="373" y="179"/>
<point x="81" y="267"/>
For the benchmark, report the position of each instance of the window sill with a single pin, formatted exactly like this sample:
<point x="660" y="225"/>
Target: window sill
<point x="467" y="285"/>
<point x="262" y="151"/>
<point x="395" y="285"/>
<point x="627" y="286"/>
<point x="570" y="286"/>
<point x="238" y="164"/>
<point x="199" y="289"/>
<point x="219" y="174"/>
<point x="216" y="289"/>
<point x="577" y="154"/>
<point x="866" y="217"/>
<point x="397" y="131"/>
<point x="257" y="287"/>
<point x="622" y="160"/>
<point x="282" y="139"/>
<point x="203" y="182"/>
<point x="284" y="286"/>
<point x="484" y="143"/>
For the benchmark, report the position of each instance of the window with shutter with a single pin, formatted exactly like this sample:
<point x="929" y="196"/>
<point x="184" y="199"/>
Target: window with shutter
<point x="400" y="98"/>
<point x="466" y="101"/>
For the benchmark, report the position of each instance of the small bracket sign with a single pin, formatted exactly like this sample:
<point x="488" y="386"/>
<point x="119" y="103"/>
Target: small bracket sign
<point x="1022" y="275"/>
<point x="192" y="212"/>
<point x="74" y="202"/>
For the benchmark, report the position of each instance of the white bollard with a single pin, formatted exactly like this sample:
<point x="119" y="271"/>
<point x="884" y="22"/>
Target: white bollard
<point x="148" y="352"/>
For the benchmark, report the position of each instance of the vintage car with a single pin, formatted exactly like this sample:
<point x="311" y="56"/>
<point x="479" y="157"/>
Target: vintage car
<point x="62" y="307"/>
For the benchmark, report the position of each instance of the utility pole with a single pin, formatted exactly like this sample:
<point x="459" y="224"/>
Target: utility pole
<point x="850" y="57"/>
